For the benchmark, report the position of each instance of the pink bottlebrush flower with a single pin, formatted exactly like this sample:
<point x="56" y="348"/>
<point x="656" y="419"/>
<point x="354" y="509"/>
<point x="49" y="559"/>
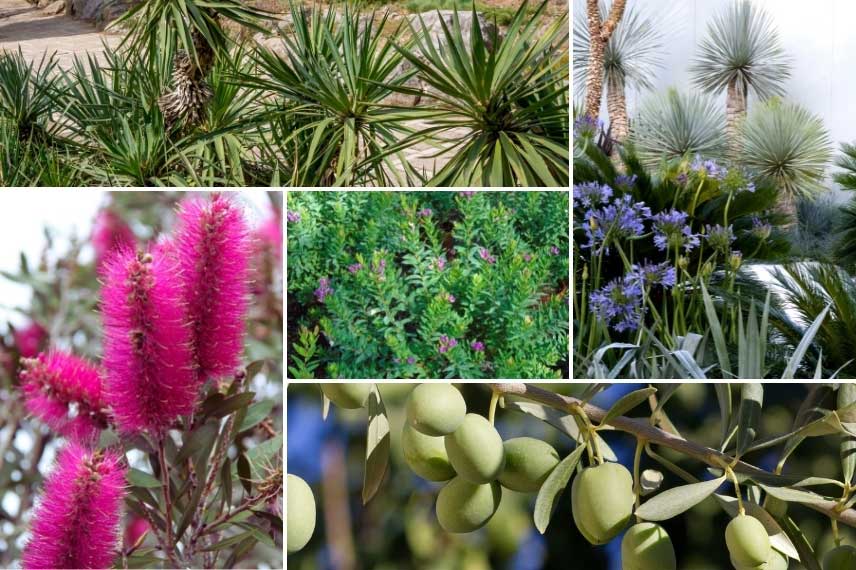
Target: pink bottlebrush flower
<point x="110" y="233"/>
<point x="135" y="529"/>
<point x="65" y="392"/>
<point x="147" y="344"/>
<point x="30" y="339"/>
<point x="213" y="248"/>
<point x="76" y="524"/>
<point x="269" y="234"/>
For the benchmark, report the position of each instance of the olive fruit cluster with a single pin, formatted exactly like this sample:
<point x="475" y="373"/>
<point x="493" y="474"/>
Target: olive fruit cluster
<point x="840" y="558"/>
<point x="749" y="545"/>
<point x="442" y="442"/>
<point x="300" y="513"/>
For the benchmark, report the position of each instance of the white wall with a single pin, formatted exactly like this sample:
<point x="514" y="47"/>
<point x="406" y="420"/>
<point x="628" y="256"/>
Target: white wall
<point x="817" y="34"/>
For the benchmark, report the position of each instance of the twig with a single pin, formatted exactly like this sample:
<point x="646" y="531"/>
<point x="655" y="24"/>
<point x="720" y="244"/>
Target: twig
<point x="642" y="429"/>
<point x="164" y="468"/>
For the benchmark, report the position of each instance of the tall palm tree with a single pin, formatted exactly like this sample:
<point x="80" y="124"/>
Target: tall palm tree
<point x="599" y="31"/>
<point x="741" y="52"/>
<point x="631" y="58"/>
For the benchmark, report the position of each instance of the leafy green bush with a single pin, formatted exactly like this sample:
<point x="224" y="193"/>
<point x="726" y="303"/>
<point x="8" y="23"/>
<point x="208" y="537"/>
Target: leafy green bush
<point x="422" y="285"/>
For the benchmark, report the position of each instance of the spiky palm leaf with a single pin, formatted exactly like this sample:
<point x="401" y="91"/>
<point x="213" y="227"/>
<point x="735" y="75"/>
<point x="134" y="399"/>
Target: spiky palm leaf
<point x="632" y="56"/>
<point x="741" y="46"/>
<point x="510" y="102"/>
<point x="674" y="124"/>
<point x="789" y="144"/>
<point x="27" y="91"/>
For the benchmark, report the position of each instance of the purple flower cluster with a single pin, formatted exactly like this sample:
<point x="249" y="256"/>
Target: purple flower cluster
<point x="527" y="257"/>
<point x="440" y="263"/>
<point x="354" y="267"/>
<point x="709" y="168"/>
<point x="591" y="194"/>
<point x="554" y="250"/>
<point x="292" y="216"/>
<point x="477" y="346"/>
<point x="585" y="126"/>
<point x="380" y="267"/>
<point x="485" y="254"/>
<point x="621" y="218"/>
<point x="468" y="194"/>
<point x="451" y="298"/>
<point x="719" y="237"/>
<point x="323" y="290"/>
<point x="619" y="304"/>
<point x="653" y="274"/>
<point x="447" y="344"/>
<point x="622" y="180"/>
<point x="672" y="232"/>
<point x="761" y="229"/>
<point x="410" y="360"/>
<point x="424" y="213"/>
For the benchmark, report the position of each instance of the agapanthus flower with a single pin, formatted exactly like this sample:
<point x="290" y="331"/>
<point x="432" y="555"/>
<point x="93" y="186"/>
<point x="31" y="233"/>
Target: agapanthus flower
<point x="213" y="247"/>
<point x="709" y="168"/>
<point x="586" y="126"/>
<point x="750" y="187"/>
<point x="671" y="231"/>
<point x="649" y="274"/>
<point x="66" y="393"/>
<point x="719" y="237"/>
<point x="77" y="521"/>
<point x="109" y="233"/>
<point x="29" y="339"/>
<point x="618" y="304"/>
<point x="623" y="218"/>
<point x="625" y="181"/>
<point x="761" y="229"/>
<point x="324" y="290"/>
<point x="591" y="194"/>
<point x="485" y="254"/>
<point x="447" y="343"/>
<point x="148" y="355"/>
<point x="477" y="346"/>
<point x="424" y="213"/>
<point x="355" y="267"/>
<point x="292" y="216"/>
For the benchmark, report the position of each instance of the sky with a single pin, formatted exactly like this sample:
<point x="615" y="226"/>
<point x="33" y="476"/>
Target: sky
<point x="24" y="214"/>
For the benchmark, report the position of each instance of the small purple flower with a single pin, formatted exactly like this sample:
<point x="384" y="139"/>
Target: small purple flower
<point x="709" y="168"/>
<point x="750" y="187"/>
<point x="424" y="213"/>
<point x="554" y="250"/>
<point x="411" y="360"/>
<point x="440" y="263"/>
<point x="353" y="268"/>
<point x="380" y="267"/>
<point x="671" y="231"/>
<point x="682" y="178"/>
<point x="761" y="229"/>
<point x="652" y="274"/>
<point x="450" y="297"/>
<point x="447" y="343"/>
<point x="477" y="346"/>
<point x="527" y="258"/>
<point x="485" y="254"/>
<point x="292" y="216"/>
<point x="626" y="181"/>
<point x="719" y="238"/>
<point x="468" y="194"/>
<point x="618" y="304"/>
<point x="323" y="290"/>
<point x="590" y="194"/>
<point x="585" y="126"/>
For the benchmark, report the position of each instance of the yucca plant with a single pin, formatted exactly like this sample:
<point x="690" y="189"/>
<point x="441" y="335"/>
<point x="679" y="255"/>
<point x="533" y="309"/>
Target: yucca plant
<point x="789" y="144"/>
<point x="845" y="249"/>
<point x="27" y="92"/>
<point x="29" y="162"/>
<point x="196" y="27"/>
<point x="741" y="53"/>
<point x="501" y="114"/>
<point x="675" y="124"/>
<point x="630" y="59"/>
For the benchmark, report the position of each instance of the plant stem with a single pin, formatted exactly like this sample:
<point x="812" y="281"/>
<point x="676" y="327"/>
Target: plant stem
<point x="637" y="460"/>
<point x="164" y="468"/>
<point x="494" y="400"/>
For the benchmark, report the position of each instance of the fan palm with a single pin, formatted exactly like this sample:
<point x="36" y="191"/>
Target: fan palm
<point x="741" y="52"/>
<point x="630" y="59"/>
<point x="790" y="145"/>
<point x="674" y="124"/>
<point x="845" y="249"/>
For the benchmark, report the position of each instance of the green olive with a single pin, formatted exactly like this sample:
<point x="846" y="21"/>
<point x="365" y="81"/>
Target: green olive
<point x="748" y="541"/>
<point x="464" y="507"/>
<point x="528" y="462"/>
<point x="475" y="450"/>
<point x="350" y="396"/>
<point x="841" y="558"/>
<point x="300" y="513"/>
<point x="647" y="546"/>
<point x="602" y="499"/>
<point x="436" y="409"/>
<point x="779" y="561"/>
<point x="426" y="455"/>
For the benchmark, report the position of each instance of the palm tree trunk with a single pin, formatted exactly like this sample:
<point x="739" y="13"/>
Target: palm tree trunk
<point x="735" y="112"/>
<point x="599" y="34"/>
<point x="616" y="105"/>
<point x="188" y="98"/>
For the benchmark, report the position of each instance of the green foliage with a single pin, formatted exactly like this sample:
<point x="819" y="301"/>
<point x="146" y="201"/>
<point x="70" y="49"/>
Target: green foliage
<point x="417" y="276"/>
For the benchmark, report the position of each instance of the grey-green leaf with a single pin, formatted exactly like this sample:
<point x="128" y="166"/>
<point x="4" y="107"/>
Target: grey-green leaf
<point x="674" y="501"/>
<point x="377" y="446"/>
<point x="627" y="403"/>
<point x="551" y="489"/>
<point x="751" y="402"/>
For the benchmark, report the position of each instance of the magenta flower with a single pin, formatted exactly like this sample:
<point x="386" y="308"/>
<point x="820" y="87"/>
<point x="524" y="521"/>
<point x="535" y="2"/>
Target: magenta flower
<point x="485" y="254"/>
<point x="110" y="233"/>
<point x="213" y="247"/>
<point x="424" y="213"/>
<point x="30" y="339"/>
<point x="527" y="257"/>
<point x="269" y="234"/>
<point x="54" y="384"/>
<point x="147" y="342"/>
<point x="554" y="250"/>
<point x="355" y="267"/>
<point x="451" y="298"/>
<point x="478" y="346"/>
<point x="292" y="216"/>
<point x="468" y="194"/>
<point x="446" y="344"/>
<point x="323" y="290"/>
<point x="76" y="524"/>
<point x="440" y="263"/>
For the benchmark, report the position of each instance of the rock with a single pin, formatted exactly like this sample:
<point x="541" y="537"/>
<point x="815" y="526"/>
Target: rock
<point x="53" y="8"/>
<point x="101" y="12"/>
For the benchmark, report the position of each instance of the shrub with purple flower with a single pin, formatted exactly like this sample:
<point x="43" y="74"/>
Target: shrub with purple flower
<point x="355" y="267"/>
<point x="324" y="290"/>
<point x="424" y="213"/>
<point x="446" y="344"/>
<point x="485" y="254"/>
<point x="292" y="216"/>
<point x="477" y="346"/>
<point x="671" y="231"/>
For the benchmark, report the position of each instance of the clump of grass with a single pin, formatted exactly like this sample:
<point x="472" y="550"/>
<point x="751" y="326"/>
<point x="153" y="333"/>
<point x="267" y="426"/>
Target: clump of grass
<point x="502" y="15"/>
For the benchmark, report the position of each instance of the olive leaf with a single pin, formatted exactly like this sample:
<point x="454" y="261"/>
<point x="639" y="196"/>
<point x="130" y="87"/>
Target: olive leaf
<point x="723" y="396"/>
<point x="551" y="489"/>
<point x="674" y="501"/>
<point x="751" y="402"/>
<point x="627" y="403"/>
<point x="377" y="445"/>
<point x="847" y="448"/>
<point x="794" y="495"/>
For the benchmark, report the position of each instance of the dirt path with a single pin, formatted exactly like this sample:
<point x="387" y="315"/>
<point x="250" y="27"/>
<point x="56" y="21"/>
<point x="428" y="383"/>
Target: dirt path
<point x="36" y="32"/>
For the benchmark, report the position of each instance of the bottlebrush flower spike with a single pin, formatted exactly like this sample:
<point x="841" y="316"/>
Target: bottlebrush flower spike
<point x="213" y="247"/>
<point x="65" y="392"/>
<point x="76" y="524"/>
<point x="147" y="351"/>
<point x="29" y="339"/>
<point x="110" y="233"/>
